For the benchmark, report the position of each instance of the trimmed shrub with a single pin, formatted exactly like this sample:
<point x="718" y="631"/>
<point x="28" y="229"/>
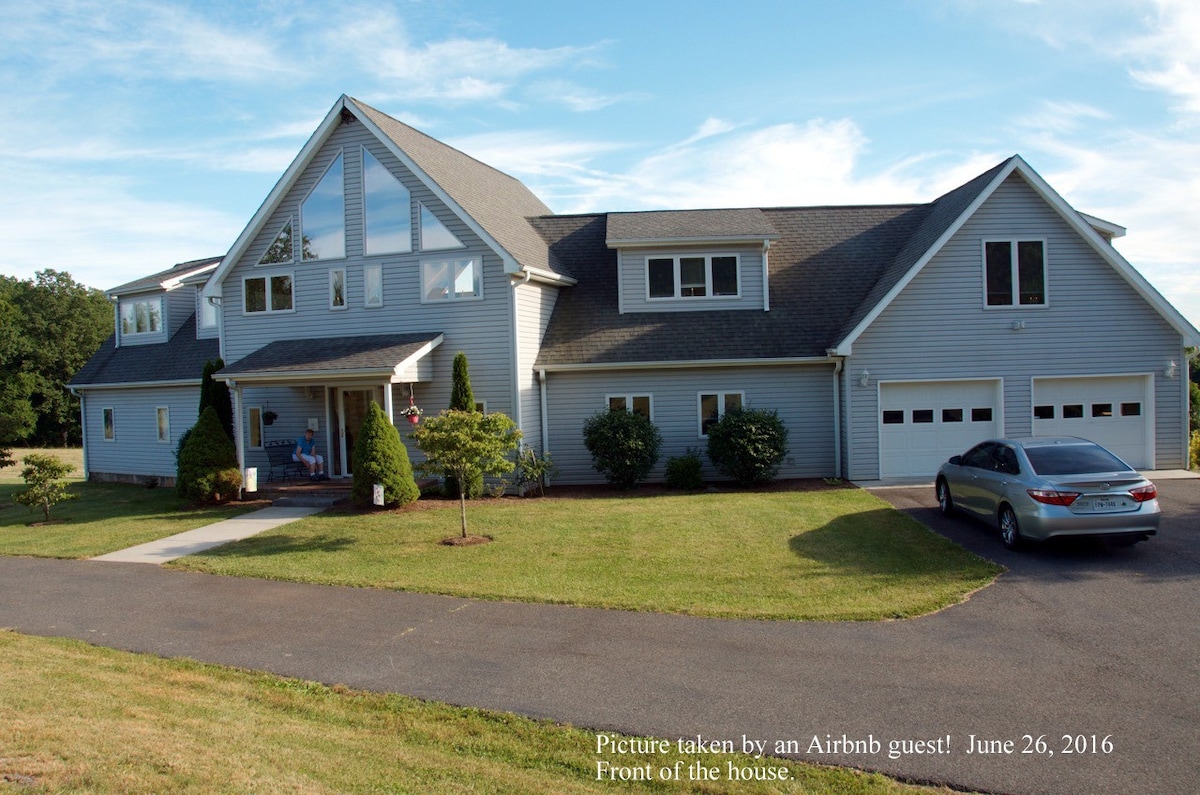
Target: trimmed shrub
<point x="1194" y="449"/>
<point x="624" y="446"/>
<point x="44" y="489"/>
<point x="748" y="445"/>
<point x="207" y="467"/>
<point x="381" y="457"/>
<point x="684" y="472"/>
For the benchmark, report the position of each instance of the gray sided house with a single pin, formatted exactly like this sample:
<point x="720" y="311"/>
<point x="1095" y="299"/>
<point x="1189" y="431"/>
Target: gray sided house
<point x="887" y="337"/>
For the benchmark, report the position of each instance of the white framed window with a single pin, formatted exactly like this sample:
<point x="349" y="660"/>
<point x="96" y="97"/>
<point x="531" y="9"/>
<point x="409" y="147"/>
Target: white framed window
<point x="337" y="288"/>
<point x="373" y="285"/>
<point x="450" y="280"/>
<point x="714" y="405"/>
<point x="110" y="424"/>
<point x="254" y="423"/>
<point x="434" y="234"/>
<point x="387" y="210"/>
<point x="1014" y="273"/>
<point x="163" y="418"/>
<point x="323" y="215"/>
<point x="280" y="250"/>
<point x="141" y="316"/>
<point x="638" y="404"/>
<point x="693" y="276"/>
<point x="267" y="293"/>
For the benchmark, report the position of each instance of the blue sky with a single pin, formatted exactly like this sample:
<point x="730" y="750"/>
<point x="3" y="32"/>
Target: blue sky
<point x="139" y="134"/>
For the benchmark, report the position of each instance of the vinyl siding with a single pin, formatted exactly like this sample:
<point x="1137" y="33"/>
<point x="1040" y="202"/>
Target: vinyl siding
<point x="803" y="396"/>
<point x="479" y="328"/>
<point x="534" y="305"/>
<point x="135" y="450"/>
<point x="1094" y="323"/>
<point x="631" y="264"/>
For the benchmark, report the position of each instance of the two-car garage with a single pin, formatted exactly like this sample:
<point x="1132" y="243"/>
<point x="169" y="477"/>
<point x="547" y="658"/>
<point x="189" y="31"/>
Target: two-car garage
<point x="923" y="423"/>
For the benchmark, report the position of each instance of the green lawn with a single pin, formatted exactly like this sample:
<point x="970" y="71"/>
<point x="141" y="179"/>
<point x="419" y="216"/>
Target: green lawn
<point x="76" y="718"/>
<point x="827" y="554"/>
<point x="106" y="517"/>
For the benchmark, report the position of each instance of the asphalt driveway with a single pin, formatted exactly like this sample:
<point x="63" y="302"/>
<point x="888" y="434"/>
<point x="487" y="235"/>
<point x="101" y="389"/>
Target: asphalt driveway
<point x="1073" y="642"/>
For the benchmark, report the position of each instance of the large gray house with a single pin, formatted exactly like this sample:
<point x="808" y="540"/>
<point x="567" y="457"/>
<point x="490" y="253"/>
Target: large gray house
<point x="887" y="337"/>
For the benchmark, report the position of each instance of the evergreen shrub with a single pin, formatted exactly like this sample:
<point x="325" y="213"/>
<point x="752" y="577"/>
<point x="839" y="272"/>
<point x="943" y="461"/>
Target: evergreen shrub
<point x="207" y="467"/>
<point x="624" y="446"/>
<point x="381" y="457"/>
<point x="684" y="472"/>
<point x="748" y="445"/>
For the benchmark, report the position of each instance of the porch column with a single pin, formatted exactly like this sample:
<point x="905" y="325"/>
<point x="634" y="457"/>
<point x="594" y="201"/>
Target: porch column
<point x="238" y="430"/>
<point x="388" y="402"/>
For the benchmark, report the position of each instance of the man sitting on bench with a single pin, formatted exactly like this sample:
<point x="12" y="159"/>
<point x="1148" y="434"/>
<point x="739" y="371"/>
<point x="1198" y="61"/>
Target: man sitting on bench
<point x="306" y="453"/>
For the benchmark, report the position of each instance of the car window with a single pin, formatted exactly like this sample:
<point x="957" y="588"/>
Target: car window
<point x="1074" y="459"/>
<point x="1006" y="460"/>
<point x="979" y="456"/>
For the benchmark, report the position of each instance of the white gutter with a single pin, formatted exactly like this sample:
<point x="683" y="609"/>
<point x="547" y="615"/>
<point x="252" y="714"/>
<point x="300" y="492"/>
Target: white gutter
<point x="545" y="412"/>
<point x="140" y="384"/>
<point x="766" y="277"/>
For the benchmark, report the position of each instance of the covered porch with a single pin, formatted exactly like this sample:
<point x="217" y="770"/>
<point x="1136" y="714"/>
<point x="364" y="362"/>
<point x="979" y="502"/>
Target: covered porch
<point x="326" y="384"/>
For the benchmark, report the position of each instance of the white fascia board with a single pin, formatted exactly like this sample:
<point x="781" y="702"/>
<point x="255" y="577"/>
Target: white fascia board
<point x="417" y="355"/>
<point x="546" y="277"/>
<point x="306" y="376"/>
<point x="330" y="123"/>
<point x="685" y="365"/>
<point x="1106" y="227"/>
<point x="510" y="262"/>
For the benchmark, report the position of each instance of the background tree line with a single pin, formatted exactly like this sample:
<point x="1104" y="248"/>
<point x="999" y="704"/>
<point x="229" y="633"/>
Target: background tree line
<point x="50" y="326"/>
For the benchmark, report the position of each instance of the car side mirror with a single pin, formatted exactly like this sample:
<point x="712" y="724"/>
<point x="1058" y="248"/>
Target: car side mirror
<point x="956" y="460"/>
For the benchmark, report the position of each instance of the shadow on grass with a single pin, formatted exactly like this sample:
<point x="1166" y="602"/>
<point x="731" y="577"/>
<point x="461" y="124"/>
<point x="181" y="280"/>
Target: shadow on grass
<point x="279" y="544"/>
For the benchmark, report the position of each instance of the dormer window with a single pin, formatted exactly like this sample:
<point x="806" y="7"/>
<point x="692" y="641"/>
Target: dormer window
<point x="692" y="276"/>
<point x="143" y="316"/>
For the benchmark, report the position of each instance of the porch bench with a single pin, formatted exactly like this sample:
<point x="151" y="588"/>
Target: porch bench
<point x="279" y="454"/>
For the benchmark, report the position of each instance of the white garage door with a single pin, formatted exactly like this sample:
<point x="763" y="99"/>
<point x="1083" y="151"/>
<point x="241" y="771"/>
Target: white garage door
<point x="923" y="424"/>
<point x="1112" y="411"/>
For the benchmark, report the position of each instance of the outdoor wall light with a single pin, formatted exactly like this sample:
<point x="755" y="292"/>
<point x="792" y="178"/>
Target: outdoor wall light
<point x="864" y="378"/>
<point x="1171" y="369"/>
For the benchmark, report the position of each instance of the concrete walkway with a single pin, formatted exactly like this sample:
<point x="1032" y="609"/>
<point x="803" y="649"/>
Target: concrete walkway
<point x="213" y="535"/>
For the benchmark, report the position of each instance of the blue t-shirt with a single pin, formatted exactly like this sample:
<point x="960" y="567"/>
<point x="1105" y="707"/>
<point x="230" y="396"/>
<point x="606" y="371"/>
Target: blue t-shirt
<point x="306" y="445"/>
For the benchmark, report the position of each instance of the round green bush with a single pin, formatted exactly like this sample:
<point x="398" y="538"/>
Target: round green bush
<point x="624" y="446"/>
<point x="748" y="445"/>
<point x="207" y="467"/>
<point x="685" y="472"/>
<point x="381" y="457"/>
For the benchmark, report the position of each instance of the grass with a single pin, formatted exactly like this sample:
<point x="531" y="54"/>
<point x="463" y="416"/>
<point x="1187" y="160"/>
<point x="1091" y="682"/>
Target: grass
<point x="76" y="718"/>
<point x="106" y="517"/>
<point x="825" y="554"/>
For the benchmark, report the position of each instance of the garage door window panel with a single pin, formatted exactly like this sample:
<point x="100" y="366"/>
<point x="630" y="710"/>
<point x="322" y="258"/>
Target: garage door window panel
<point x="1073" y="411"/>
<point x="952" y="415"/>
<point x="1131" y="409"/>
<point x="981" y="415"/>
<point x="1102" y="410"/>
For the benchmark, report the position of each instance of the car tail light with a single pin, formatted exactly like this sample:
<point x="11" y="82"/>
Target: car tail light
<point x="1144" y="493"/>
<point x="1052" y="497"/>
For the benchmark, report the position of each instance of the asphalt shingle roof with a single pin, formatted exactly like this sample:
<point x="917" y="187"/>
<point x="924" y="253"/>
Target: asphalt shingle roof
<point x="331" y="355"/>
<point x="181" y="359"/>
<point x="689" y="225"/>
<point x="155" y="281"/>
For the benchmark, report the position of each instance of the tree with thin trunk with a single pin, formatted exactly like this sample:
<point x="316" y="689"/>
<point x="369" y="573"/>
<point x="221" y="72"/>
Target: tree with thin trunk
<point x="467" y="445"/>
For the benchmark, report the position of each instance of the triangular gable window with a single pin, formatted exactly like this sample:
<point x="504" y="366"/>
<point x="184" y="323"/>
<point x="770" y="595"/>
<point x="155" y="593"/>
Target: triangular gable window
<point x="434" y="234"/>
<point x="388" y="210"/>
<point x="281" y="249"/>
<point x="323" y="216"/>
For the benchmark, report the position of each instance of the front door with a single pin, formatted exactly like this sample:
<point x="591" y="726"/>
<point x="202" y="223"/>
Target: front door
<point x="351" y="410"/>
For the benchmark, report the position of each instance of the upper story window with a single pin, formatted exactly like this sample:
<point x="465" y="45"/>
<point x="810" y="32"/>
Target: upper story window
<point x="267" y="293"/>
<point x="337" y="288"/>
<point x="280" y="249"/>
<point x="693" y="276"/>
<point x="434" y="234"/>
<point x="143" y="316"/>
<point x="638" y="404"/>
<point x="1014" y="272"/>
<point x="450" y="280"/>
<point x="323" y="215"/>
<point x="373" y="285"/>
<point x="387" y="210"/>
<point x="163" y="420"/>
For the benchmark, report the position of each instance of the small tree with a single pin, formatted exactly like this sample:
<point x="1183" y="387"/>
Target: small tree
<point x="207" y="467"/>
<point x="748" y="445"/>
<point x="42" y="475"/>
<point x="624" y="446"/>
<point x="467" y="445"/>
<point x="534" y="470"/>
<point x="462" y="399"/>
<point x="381" y="457"/>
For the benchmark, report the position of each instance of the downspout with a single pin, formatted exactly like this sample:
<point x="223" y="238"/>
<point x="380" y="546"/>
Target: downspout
<point x="545" y="411"/>
<point x="838" y="364"/>
<point x="766" y="277"/>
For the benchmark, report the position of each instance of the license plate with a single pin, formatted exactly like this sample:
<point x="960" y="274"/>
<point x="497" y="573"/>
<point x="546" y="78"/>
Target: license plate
<point x="1104" y="504"/>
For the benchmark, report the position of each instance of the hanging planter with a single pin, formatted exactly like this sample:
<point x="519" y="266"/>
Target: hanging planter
<point x="412" y="413"/>
<point x="269" y="417"/>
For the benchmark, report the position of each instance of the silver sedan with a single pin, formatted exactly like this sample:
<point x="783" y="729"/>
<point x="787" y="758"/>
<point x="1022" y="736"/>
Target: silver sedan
<point x="1039" y="488"/>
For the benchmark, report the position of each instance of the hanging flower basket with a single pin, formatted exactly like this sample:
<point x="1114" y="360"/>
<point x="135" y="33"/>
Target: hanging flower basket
<point x="269" y="417"/>
<point x="412" y="414"/>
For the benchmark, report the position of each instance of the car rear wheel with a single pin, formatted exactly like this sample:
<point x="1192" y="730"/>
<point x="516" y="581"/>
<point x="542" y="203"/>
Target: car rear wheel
<point x="945" y="501"/>
<point x="1010" y="530"/>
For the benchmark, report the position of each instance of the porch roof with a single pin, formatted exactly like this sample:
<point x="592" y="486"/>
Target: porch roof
<point x="391" y="357"/>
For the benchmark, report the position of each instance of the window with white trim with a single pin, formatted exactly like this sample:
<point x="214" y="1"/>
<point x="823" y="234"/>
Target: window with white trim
<point x="387" y="210"/>
<point x="255" y="426"/>
<point x="280" y="250"/>
<point x="141" y="316"/>
<point x="337" y="288"/>
<point x="110" y="426"/>
<point x="323" y="215"/>
<point x="163" y="418"/>
<point x="714" y="406"/>
<point x="1014" y="273"/>
<point x="267" y="293"/>
<point x="434" y="234"/>
<point x="450" y="280"/>
<point x="373" y="285"/>
<point x="693" y="276"/>
<point x="638" y="404"/>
